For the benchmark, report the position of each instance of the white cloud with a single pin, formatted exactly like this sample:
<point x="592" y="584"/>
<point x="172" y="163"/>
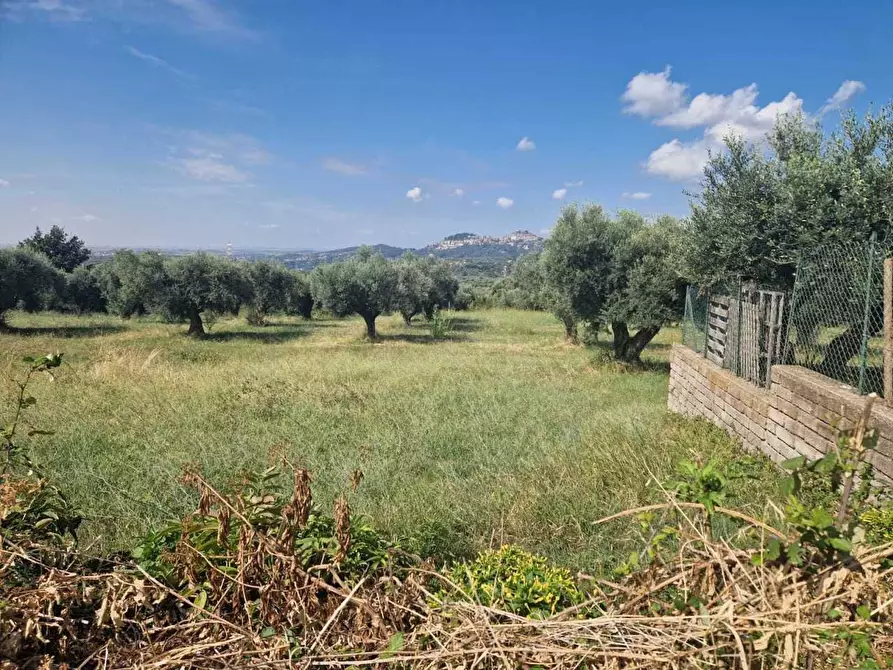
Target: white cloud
<point x="268" y="226"/>
<point x="559" y="193"/>
<point x="210" y="168"/>
<point x="525" y="144"/>
<point x="156" y="62"/>
<point x="347" y="169"/>
<point x="206" y="15"/>
<point x="504" y="202"/>
<point x="677" y="160"/>
<point x="88" y="218"/>
<point x="476" y="202"/>
<point x="848" y="89"/>
<point x="706" y="109"/>
<point x="652" y="94"/>
<point x="458" y="192"/>
<point x="54" y="10"/>
<point x="573" y="184"/>
<point x="415" y="194"/>
<point x="4" y="183"/>
<point x="637" y="195"/>
<point x="666" y="103"/>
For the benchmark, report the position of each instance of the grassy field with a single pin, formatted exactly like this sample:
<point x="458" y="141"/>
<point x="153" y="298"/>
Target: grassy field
<point x="502" y="433"/>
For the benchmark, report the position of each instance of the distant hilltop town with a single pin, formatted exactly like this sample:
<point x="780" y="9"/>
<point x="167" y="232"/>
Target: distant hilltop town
<point x="523" y="239"/>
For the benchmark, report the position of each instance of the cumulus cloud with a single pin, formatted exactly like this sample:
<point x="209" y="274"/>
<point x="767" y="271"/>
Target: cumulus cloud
<point x="415" y="194"/>
<point x="504" y="202"/>
<point x="155" y="61"/>
<point x="525" y="144"/>
<point x="573" y="184"/>
<point x="341" y="167"/>
<point x="210" y="168"/>
<point x="559" y="193"/>
<point x="4" y="183"/>
<point x="652" y="93"/>
<point x="87" y="218"/>
<point x="654" y="96"/>
<point x="458" y="192"/>
<point x="637" y="195"/>
<point x="843" y="95"/>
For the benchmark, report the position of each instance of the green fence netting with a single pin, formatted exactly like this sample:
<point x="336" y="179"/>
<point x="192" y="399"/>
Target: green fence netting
<point x="830" y="320"/>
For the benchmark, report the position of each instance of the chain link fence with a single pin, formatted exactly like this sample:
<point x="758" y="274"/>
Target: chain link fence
<point x="831" y="320"/>
<point x="837" y="316"/>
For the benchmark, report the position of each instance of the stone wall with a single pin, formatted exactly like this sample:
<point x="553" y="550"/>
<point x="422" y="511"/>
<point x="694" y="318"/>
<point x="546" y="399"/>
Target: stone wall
<point x="795" y="417"/>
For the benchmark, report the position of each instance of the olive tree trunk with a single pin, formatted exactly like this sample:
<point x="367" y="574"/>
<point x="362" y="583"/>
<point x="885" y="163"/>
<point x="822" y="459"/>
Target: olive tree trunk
<point x="629" y="348"/>
<point x="370" y="325"/>
<point x="570" y="329"/>
<point x="196" y="327"/>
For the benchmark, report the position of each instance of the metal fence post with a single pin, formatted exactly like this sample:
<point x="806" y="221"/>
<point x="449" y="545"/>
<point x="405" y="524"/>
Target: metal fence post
<point x="707" y="324"/>
<point x="789" y="355"/>
<point x="738" y="329"/>
<point x="863" y="354"/>
<point x="888" y="331"/>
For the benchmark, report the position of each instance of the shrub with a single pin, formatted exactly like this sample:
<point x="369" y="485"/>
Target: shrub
<point x="517" y="581"/>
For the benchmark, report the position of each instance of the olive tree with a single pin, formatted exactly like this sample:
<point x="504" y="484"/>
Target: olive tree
<point x="300" y="297"/>
<point x="27" y="280"/>
<point x="83" y="291"/>
<point x="131" y="282"/>
<point x="414" y="286"/>
<point x="365" y="285"/>
<point x="759" y="208"/>
<point x="201" y="282"/>
<point x="271" y="284"/>
<point x="63" y="251"/>
<point x="576" y="261"/>
<point x="443" y="286"/>
<point x="644" y="290"/>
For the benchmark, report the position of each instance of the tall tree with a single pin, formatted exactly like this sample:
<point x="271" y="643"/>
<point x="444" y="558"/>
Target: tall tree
<point x="27" y="280"/>
<point x="365" y="284"/>
<point x="65" y="252"/>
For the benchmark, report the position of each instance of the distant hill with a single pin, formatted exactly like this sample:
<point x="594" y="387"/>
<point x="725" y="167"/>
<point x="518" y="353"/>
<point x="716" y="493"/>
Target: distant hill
<point x="474" y="255"/>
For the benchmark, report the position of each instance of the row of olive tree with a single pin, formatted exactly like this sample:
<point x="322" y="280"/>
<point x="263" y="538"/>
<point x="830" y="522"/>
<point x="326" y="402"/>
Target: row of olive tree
<point x="131" y="284"/>
<point x="369" y="285"/>
<point x="185" y="288"/>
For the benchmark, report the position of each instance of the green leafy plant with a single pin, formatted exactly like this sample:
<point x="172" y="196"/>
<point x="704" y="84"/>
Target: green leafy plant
<point x="31" y="508"/>
<point x="518" y="581"/>
<point x="822" y="537"/>
<point x="441" y="325"/>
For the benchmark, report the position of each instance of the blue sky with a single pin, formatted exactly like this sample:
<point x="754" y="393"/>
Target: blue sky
<point x="318" y="124"/>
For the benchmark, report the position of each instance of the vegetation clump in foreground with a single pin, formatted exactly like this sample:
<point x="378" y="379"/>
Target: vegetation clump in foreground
<point x="260" y="574"/>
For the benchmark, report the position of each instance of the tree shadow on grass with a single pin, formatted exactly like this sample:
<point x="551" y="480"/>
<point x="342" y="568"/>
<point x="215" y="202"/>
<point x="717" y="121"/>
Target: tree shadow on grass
<point x="309" y="323"/>
<point x="259" y="336"/>
<point x="420" y="338"/>
<point x="65" y="331"/>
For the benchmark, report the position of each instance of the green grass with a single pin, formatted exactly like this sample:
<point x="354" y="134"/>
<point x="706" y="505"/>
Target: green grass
<point x="500" y="433"/>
